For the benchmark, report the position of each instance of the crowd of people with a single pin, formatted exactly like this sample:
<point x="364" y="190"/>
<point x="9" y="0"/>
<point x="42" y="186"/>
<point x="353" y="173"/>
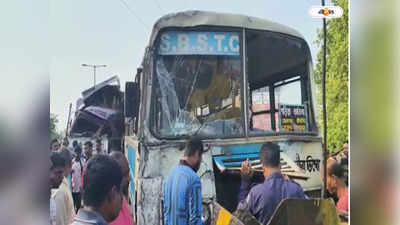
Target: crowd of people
<point x="182" y="188"/>
<point x="87" y="188"/>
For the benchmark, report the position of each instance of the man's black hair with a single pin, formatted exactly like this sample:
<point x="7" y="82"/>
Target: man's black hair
<point x="270" y="155"/>
<point x="66" y="142"/>
<point x="192" y="146"/>
<point x="74" y="143"/>
<point x="67" y="156"/>
<point x="102" y="173"/>
<point x="54" y="140"/>
<point x="336" y="169"/>
<point x="57" y="161"/>
<point x="89" y="143"/>
<point x="78" y="150"/>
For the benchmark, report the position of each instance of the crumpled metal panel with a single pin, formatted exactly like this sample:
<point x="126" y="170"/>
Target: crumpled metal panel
<point x="100" y="106"/>
<point x="155" y="163"/>
<point x="149" y="201"/>
<point x="90" y="91"/>
<point x="159" y="162"/>
<point x="149" y="166"/>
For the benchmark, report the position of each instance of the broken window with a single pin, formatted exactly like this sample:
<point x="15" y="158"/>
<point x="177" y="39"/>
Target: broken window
<point x="198" y="93"/>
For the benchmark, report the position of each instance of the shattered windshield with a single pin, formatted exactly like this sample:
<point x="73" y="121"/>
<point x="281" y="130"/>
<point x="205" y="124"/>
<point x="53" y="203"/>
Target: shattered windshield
<point x="197" y="84"/>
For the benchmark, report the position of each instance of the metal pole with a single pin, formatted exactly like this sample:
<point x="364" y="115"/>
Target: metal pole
<point x="324" y="101"/>
<point x="94" y="71"/>
<point x="69" y="115"/>
<point x="94" y="77"/>
<point x="246" y="110"/>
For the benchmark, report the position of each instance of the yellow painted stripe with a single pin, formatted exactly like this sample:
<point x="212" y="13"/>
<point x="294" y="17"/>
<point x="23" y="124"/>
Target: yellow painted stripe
<point x="224" y="217"/>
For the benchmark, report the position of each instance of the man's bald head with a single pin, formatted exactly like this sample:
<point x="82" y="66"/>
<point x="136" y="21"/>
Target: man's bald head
<point x="124" y="164"/>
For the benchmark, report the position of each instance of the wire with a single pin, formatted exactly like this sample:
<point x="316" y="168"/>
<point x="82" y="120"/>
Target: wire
<point x="159" y="6"/>
<point x="133" y="13"/>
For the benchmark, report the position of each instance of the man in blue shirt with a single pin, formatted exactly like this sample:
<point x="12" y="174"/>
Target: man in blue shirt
<point x="262" y="199"/>
<point x="182" y="189"/>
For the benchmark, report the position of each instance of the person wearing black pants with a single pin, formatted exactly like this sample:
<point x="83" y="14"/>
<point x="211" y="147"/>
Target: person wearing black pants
<point x="77" y="200"/>
<point x="77" y="169"/>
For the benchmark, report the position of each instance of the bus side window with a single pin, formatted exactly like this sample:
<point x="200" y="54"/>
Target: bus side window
<point x="287" y="92"/>
<point x="260" y="119"/>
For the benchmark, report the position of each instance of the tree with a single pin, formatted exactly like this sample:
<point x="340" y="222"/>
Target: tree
<point x="336" y="78"/>
<point x="53" y="127"/>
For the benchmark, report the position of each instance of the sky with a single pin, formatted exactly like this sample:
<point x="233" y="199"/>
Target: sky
<point x="23" y="60"/>
<point x="116" y="32"/>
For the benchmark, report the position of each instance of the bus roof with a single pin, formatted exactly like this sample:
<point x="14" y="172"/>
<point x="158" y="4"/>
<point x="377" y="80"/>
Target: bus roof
<point x="205" y="18"/>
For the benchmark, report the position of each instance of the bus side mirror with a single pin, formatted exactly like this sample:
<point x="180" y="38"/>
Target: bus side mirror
<point x="131" y="100"/>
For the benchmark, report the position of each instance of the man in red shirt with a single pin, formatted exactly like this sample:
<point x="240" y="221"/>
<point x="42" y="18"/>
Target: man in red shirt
<point x="124" y="217"/>
<point x="336" y="185"/>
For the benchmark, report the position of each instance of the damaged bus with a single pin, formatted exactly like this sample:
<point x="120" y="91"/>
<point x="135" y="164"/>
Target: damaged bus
<point x="234" y="81"/>
<point x="99" y="115"/>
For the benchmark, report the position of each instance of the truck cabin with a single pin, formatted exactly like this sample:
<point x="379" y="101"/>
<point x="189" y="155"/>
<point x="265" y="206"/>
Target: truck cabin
<point x="100" y="113"/>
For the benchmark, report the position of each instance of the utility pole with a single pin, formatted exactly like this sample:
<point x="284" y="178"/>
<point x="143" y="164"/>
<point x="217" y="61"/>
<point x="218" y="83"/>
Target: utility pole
<point x="324" y="100"/>
<point x="69" y="116"/>
<point x="94" y="71"/>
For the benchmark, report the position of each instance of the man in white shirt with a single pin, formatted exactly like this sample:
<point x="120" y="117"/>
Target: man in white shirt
<point x="63" y="196"/>
<point x="77" y="168"/>
<point x="57" y="166"/>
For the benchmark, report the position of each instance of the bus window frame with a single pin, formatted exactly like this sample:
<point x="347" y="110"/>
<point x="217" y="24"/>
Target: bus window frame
<point x="155" y="55"/>
<point x="271" y="111"/>
<point x="245" y="89"/>
<point x="304" y="82"/>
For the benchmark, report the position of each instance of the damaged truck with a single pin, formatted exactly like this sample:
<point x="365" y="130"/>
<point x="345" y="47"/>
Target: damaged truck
<point x="234" y="81"/>
<point x="99" y="115"/>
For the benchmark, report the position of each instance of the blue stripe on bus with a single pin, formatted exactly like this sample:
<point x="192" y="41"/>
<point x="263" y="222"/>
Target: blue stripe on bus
<point x="237" y="154"/>
<point x="243" y="149"/>
<point x="132" y="168"/>
<point x="238" y="159"/>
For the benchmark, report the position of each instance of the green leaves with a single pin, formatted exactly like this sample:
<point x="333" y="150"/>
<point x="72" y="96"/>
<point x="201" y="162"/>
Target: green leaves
<point x="53" y="127"/>
<point x="337" y="66"/>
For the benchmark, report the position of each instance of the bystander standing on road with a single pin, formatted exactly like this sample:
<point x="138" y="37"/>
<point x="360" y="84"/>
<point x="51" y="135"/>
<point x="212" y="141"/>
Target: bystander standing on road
<point x="55" y="145"/>
<point x="57" y="166"/>
<point x="63" y="196"/>
<point x="87" y="151"/>
<point x="182" y="189"/>
<point x="102" y="197"/>
<point x="336" y="185"/>
<point x="98" y="148"/>
<point x="124" y="217"/>
<point x="77" y="169"/>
